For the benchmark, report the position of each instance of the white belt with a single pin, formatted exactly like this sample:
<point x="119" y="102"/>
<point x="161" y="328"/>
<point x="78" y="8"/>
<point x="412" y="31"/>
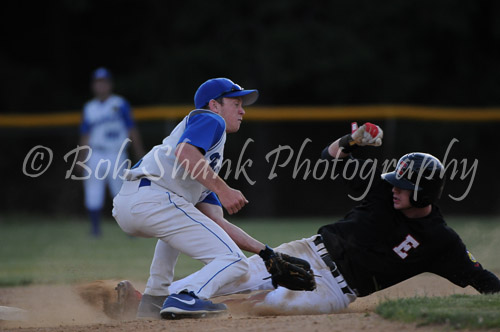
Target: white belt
<point x="325" y="256"/>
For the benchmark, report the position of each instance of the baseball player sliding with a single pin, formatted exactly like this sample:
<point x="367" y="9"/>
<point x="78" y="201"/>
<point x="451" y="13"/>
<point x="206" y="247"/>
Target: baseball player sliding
<point x="395" y="233"/>
<point x="175" y="195"/>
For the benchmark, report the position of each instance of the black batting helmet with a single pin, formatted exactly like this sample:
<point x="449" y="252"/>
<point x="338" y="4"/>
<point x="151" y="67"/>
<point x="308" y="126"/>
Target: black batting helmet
<point x="420" y="172"/>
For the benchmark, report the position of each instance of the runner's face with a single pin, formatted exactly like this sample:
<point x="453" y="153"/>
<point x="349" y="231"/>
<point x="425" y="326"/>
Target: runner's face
<point x="401" y="198"/>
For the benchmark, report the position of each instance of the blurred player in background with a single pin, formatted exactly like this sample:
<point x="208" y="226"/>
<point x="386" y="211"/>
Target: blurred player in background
<point x="106" y="125"/>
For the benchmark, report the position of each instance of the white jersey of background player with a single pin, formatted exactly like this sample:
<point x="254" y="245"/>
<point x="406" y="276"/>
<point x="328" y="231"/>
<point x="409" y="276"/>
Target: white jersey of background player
<point x="106" y="125"/>
<point x="175" y="195"/>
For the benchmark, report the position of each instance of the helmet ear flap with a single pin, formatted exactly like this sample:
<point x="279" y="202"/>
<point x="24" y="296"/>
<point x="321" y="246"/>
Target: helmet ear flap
<point x="430" y="194"/>
<point x="422" y="200"/>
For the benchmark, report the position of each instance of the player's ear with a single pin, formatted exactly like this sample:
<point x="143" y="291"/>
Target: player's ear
<point x="213" y="105"/>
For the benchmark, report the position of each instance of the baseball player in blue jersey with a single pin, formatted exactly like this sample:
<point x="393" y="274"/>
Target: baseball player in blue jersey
<point x="175" y="195"/>
<point x="106" y="125"/>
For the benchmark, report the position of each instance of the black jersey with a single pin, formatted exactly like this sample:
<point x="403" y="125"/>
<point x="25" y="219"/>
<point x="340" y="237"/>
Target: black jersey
<point x="376" y="246"/>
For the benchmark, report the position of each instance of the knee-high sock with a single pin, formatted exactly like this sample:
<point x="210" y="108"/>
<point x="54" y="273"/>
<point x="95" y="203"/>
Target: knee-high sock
<point x="95" y="220"/>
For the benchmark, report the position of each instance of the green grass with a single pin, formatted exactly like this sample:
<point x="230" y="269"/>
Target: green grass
<point x="458" y="311"/>
<point x="36" y="250"/>
<point x="43" y="250"/>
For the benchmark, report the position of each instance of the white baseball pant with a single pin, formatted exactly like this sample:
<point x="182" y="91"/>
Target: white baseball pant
<point x="105" y="169"/>
<point x="152" y="211"/>
<point x="328" y="297"/>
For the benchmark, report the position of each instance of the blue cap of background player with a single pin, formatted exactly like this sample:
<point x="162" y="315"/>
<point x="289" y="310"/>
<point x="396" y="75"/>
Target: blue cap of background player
<point x="222" y="87"/>
<point x="101" y="73"/>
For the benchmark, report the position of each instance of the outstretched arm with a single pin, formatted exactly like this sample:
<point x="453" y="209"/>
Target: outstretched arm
<point x="239" y="236"/>
<point x="367" y="134"/>
<point x="286" y="271"/>
<point x="486" y="283"/>
<point x="335" y="151"/>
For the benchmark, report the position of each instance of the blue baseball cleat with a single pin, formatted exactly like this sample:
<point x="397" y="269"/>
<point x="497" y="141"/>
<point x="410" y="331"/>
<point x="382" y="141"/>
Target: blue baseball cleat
<point x="187" y="305"/>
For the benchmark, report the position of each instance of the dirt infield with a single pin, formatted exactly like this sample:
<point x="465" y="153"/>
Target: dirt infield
<point x="60" y="308"/>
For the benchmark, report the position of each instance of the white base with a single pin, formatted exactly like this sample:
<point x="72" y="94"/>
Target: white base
<point x="12" y="313"/>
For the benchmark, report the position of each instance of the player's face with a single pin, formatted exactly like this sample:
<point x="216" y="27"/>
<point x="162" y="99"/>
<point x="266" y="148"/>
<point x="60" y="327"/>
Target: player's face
<point x="401" y="198"/>
<point x="232" y="111"/>
<point x="101" y="88"/>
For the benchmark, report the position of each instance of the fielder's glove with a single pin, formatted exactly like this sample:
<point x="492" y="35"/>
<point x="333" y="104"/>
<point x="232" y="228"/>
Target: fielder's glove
<point x="288" y="271"/>
<point x="367" y="134"/>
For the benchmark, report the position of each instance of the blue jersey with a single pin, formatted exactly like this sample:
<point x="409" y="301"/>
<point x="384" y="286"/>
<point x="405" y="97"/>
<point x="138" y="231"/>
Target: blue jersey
<point x="201" y="128"/>
<point x="107" y="123"/>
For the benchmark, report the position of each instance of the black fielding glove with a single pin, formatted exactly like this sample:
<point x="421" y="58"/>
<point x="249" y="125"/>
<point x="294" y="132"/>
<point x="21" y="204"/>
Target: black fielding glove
<point x="288" y="271"/>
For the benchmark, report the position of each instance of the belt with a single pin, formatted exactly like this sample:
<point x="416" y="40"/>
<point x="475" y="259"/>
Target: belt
<point x="145" y="182"/>
<point x="325" y="256"/>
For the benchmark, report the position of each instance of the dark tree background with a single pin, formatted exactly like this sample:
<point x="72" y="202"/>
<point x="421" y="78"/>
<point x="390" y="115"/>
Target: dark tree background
<point x="341" y="52"/>
<point x="439" y="52"/>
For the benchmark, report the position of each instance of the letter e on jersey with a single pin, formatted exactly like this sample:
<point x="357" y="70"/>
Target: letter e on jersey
<point x="405" y="246"/>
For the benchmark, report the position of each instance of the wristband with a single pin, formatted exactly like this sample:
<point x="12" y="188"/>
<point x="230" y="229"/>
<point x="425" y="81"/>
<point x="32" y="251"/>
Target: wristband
<point x="347" y="144"/>
<point x="266" y="253"/>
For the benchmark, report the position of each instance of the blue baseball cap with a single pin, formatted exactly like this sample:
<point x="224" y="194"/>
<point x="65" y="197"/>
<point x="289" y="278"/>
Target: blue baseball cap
<point x="101" y="73"/>
<point x="223" y="87"/>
